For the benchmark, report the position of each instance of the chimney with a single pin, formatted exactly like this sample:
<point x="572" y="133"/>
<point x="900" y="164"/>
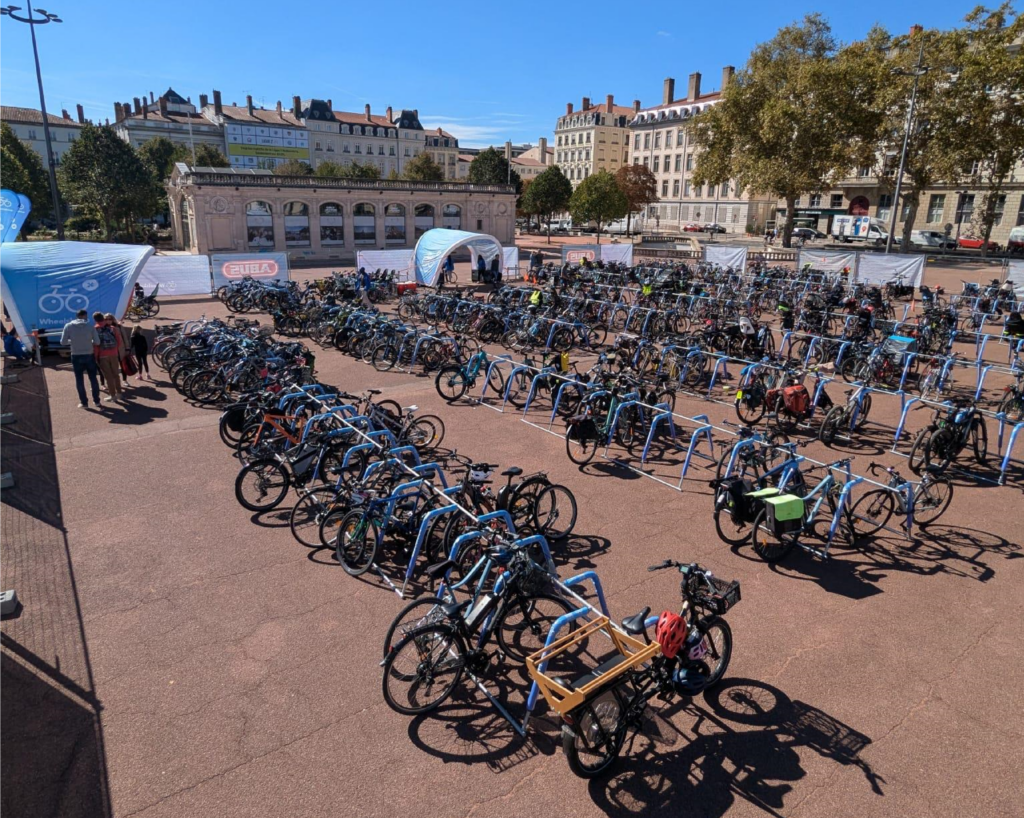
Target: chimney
<point x="248" y="103"/>
<point x="727" y="74"/>
<point x="81" y="114"/>
<point x="694" y="89"/>
<point x="542" y="145"/>
<point x="636" y="106"/>
<point x="279" y="106"/>
<point x="296" y="106"/>
<point x="916" y="29"/>
<point x="138" y="105"/>
<point x="163" y="106"/>
<point x="145" y="112"/>
<point x="586" y="103"/>
<point x="117" y="112"/>
<point x="152" y="98"/>
<point x="203" y="101"/>
<point x="127" y="108"/>
<point x="609" y="103"/>
<point x="416" y="112"/>
<point x="218" y="107"/>
<point x="668" y="91"/>
<point x="391" y="118"/>
<point x="368" y="111"/>
<point x="508" y="151"/>
<point x="330" y="105"/>
<point x="568" y="109"/>
<point x="64" y="113"/>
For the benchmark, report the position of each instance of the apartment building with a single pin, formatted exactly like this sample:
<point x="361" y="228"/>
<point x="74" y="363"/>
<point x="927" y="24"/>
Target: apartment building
<point x="171" y="116"/>
<point x="593" y="138"/>
<point x="258" y="137"/>
<point x="658" y="140"/>
<point x="27" y="124"/>
<point x="443" y="148"/>
<point x="533" y="161"/>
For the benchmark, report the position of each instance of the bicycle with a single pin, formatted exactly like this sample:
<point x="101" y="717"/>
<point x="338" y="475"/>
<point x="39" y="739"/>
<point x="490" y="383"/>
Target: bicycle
<point x="939" y="443"/>
<point x="850" y="415"/>
<point x="921" y="505"/>
<point x="454" y="380"/>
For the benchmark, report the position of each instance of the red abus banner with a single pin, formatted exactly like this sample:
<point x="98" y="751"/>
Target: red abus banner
<point x="261" y="268"/>
<point x="230" y="268"/>
<point x="576" y="256"/>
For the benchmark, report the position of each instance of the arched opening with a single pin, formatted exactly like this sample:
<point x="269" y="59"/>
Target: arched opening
<point x="296" y="224"/>
<point x="451" y="217"/>
<point x="259" y="225"/>
<point x="364" y="223"/>
<point x="394" y="224"/>
<point x="332" y="225"/>
<point x="424" y="214"/>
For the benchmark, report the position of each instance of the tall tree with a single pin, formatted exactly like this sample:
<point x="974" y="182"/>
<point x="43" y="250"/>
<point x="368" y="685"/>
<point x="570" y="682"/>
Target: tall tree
<point x="293" y="167"/>
<point x="794" y="120"/>
<point x="598" y="198"/>
<point x="159" y="153"/>
<point x="640" y="186"/>
<point x="207" y="156"/>
<point x="333" y="170"/>
<point x="22" y="171"/>
<point x="491" y="168"/>
<point x="547" y="194"/>
<point x="102" y="173"/>
<point x="423" y="168"/>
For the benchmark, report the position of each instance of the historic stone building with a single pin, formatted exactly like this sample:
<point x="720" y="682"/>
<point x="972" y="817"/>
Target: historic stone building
<point x="224" y="210"/>
<point x="27" y="124"/>
<point x="170" y="115"/>
<point x="592" y="139"/>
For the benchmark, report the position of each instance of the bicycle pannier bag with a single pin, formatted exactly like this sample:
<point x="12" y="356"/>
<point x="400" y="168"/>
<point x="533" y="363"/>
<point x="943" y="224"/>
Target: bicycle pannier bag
<point x="796" y="399"/>
<point x="784" y="513"/>
<point x="582" y="427"/>
<point x="304" y="461"/>
<point x="735" y="493"/>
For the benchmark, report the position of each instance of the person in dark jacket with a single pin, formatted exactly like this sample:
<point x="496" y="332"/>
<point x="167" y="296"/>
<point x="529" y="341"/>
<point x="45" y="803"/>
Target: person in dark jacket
<point x="481" y="268"/>
<point x="140" y="348"/>
<point x="495" y="273"/>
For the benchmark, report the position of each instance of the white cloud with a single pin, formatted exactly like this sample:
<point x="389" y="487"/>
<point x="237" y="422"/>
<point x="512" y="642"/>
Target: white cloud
<point x="664" y="33"/>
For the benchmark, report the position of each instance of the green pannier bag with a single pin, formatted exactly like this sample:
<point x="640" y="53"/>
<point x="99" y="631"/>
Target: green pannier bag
<point x="784" y="513"/>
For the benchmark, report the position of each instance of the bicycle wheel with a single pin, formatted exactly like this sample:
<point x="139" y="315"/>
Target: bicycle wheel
<point x="384" y="357"/>
<point x="750" y="408"/>
<point x="717" y="647"/>
<point x="1013" y="405"/>
<point x="932" y="498"/>
<point x="872" y="512"/>
<point x="940" y="451"/>
<point x="262" y="485"/>
<point x="496" y="382"/>
<point x="769" y="546"/>
<point x="423" y="669"/>
<point x="916" y="459"/>
<point x="518" y="389"/>
<point x="979" y="440"/>
<point x="309" y="513"/>
<point x="426" y="432"/>
<point x="525" y="622"/>
<point x="581" y="451"/>
<point x="835" y="420"/>
<point x="417" y="614"/>
<point x="554" y="512"/>
<point x="731" y="529"/>
<point x="593" y="741"/>
<point x="356" y="542"/>
<point x="451" y="383"/>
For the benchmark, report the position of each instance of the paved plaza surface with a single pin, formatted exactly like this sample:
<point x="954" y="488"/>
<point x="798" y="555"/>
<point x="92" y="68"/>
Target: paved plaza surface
<point x="179" y="656"/>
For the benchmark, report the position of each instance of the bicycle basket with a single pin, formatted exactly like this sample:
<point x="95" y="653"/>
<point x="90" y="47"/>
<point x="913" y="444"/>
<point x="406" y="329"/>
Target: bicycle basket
<point x="784" y="513"/>
<point x="724" y="597"/>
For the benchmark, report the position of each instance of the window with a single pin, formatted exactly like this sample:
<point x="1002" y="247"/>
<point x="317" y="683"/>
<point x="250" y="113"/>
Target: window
<point x="684" y="213"/>
<point x="424" y="215"/>
<point x="863" y="173"/>
<point x="998" y="208"/>
<point x="317" y="146"/>
<point x="391" y="150"/>
<point x="711" y="191"/>
<point x="698" y="191"/>
<point x="344" y="128"/>
<point x="815" y="200"/>
<point x="679" y="138"/>
<point x="588" y="137"/>
<point x="884" y="206"/>
<point x="31" y="134"/>
<point x="480" y="224"/>
<point x="645" y="161"/>
<point x="689" y="161"/>
<point x="330" y="147"/>
<point x="380" y="150"/>
<point x="394" y="224"/>
<point x="559" y="141"/>
<point x="259" y="224"/>
<point x="364" y="224"/>
<point x="936" y="207"/>
<point x="686" y="188"/>
<point x="668" y="139"/>
<point x="587" y="157"/>
<point x="657" y="163"/>
<point x="451" y="217"/>
<point x="675" y="188"/>
<point x="345" y="147"/>
<point x="836" y="201"/>
<point x="657" y="140"/>
<point x="679" y="163"/>
<point x="647" y="141"/>
<point x="360" y="150"/>
<point x="664" y="188"/>
<point x="636" y="142"/>
<point x="332" y="225"/>
<point x="296" y="224"/>
<point x="407" y="150"/>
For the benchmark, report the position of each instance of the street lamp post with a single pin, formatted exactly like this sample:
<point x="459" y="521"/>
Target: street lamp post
<point x="34" y="21"/>
<point x="918" y="71"/>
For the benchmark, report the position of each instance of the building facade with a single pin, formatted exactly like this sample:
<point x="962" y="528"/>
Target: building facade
<point x="533" y="161"/>
<point x="592" y="139"/>
<point x="444" y="149"/>
<point x="660" y="142"/>
<point x="250" y="210"/>
<point x="27" y="124"/>
<point x="171" y="116"/>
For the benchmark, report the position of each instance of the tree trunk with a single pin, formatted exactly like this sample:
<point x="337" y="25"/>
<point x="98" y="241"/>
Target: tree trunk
<point x="549" y="227"/>
<point x="912" y="200"/>
<point x="598" y="232"/>
<point x="787" y="228"/>
<point x="629" y="221"/>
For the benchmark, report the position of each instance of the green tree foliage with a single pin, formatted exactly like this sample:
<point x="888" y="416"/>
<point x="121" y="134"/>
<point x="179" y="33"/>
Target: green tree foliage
<point x="640" y="187"/>
<point x="158" y="153"/>
<point x="796" y="119"/>
<point x="491" y="168"/>
<point x="547" y="194"/>
<point x="207" y="156"/>
<point x="293" y="167"/>
<point x="22" y="171"/>
<point x="333" y="170"/>
<point x="103" y="174"/>
<point x="598" y="198"/>
<point x="423" y="168"/>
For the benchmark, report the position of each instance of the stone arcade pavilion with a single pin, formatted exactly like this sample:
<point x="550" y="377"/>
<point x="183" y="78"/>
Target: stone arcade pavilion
<point x="225" y="210"/>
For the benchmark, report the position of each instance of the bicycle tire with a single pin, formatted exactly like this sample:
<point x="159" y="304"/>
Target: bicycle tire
<point x="726" y="524"/>
<point x="429" y="650"/>
<point x="767" y="545"/>
<point x="426" y="432"/>
<point x="979" y="440"/>
<point x="940" y="451"/>
<point x="916" y="458"/>
<point x="872" y="512"/>
<point x="308" y="513"/>
<point x="403" y="624"/>
<point x="552" y="505"/>
<point x="724" y="650"/>
<point x="581" y="452"/>
<point x="931" y="502"/>
<point x="451" y="383"/>
<point x="601" y="715"/>
<point x="523" y="625"/>
<point x="837" y="417"/>
<point x="268" y="478"/>
<point x="355" y="544"/>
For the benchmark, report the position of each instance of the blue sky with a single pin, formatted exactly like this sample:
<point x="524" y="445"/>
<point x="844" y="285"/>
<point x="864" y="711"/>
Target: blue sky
<point x="486" y="72"/>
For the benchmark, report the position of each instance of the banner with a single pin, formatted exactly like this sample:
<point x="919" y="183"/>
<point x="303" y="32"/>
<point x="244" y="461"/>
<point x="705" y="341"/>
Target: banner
<point x="232" y="267"/>
<point x="576" y="253"/>
<point x="878" y="268"/>
<point x="176" y="275"/>
<point x="401" y="261"/>
<point x="1015" y="273"/>
<point x="510" y="270"/>
<point x="725" y="256"/>
<point x="46" y="282"/>
<point x="617" y="254"/>
<point x="828" y="261"/>
<point x="14" y="209"/>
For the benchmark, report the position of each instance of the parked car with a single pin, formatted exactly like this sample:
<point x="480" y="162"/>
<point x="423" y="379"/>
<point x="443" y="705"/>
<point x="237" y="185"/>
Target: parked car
<point x="975" y="243"/>
<point x="692" y="228"/>
<point x="713" y="228"/>
<point x="932" y="238"/>
<point x="807" y="233"/>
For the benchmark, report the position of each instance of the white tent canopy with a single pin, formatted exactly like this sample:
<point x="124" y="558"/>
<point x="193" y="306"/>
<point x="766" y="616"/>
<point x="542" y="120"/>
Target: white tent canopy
<point x="436" y="245"/>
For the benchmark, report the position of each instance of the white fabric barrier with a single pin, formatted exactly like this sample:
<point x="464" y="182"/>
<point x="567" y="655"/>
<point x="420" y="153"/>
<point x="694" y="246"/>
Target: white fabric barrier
<point x="878" y="268"/>
<point x="725" y="256"/>
<point x="231" y="267"/>
<point x="1015" y="273"/>
<point x="510" y="269"/>
<point x="177" y="275"/>
<point x="402" y="261"/>
<point x="829" y="261"/>
<point x="617" y="254"/>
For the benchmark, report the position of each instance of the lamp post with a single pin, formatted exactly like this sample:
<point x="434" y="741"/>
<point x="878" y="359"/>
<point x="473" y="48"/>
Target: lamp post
<point x="918" y="71"/>
<point x="33" y="21"/>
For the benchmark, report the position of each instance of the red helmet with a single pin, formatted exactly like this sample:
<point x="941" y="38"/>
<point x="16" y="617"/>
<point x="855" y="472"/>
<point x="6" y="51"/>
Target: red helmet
<point x="670" y="633"/>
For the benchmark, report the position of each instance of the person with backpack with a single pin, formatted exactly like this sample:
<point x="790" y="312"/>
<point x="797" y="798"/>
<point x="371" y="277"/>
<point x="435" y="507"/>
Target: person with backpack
<point x="108" y="355"/>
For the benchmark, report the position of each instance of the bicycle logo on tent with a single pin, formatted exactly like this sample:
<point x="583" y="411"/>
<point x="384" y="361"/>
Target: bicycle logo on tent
<point x="5" y="202"/>
<point x="55" y="301"/>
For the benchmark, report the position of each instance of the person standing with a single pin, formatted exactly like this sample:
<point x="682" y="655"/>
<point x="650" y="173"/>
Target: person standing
<point x="83" y="339"/>
<point x="125" y="351"/>
<point x="140" y="348"/>
<point x="364" y="288"/>
<point x="108" y="355"/>
<point x="495" y="273"/>
<point x="481" y="269"/>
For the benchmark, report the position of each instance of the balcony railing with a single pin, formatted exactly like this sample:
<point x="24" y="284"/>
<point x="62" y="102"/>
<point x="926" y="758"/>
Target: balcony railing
<point x="234" y="180"/>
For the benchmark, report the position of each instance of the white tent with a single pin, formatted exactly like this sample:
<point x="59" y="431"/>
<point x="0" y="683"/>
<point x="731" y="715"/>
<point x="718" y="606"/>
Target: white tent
<point x="436" y="245"/>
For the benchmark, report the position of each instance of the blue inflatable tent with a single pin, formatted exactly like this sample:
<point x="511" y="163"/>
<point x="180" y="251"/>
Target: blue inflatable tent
<point x="436" y="245"/>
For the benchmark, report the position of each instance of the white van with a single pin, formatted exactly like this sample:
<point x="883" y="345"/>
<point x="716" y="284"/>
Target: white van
<point x="860" y="228"/>
<point x="932" y="238"/>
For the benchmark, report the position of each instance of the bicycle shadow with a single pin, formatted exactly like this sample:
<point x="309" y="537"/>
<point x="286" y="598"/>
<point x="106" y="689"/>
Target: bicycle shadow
<point x="746" y="743"/>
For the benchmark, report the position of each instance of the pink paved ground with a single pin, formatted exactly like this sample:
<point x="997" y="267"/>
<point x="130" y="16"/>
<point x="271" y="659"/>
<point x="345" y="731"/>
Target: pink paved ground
<point x="234" y="672"/>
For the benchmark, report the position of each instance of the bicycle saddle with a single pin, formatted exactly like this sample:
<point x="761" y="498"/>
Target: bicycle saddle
<point x="408" y="409"/>
<point x="513" y="471"/>
<point x="373" y="391"/>
<point x="439" y="569"/>
<point x="635" y="624"/>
